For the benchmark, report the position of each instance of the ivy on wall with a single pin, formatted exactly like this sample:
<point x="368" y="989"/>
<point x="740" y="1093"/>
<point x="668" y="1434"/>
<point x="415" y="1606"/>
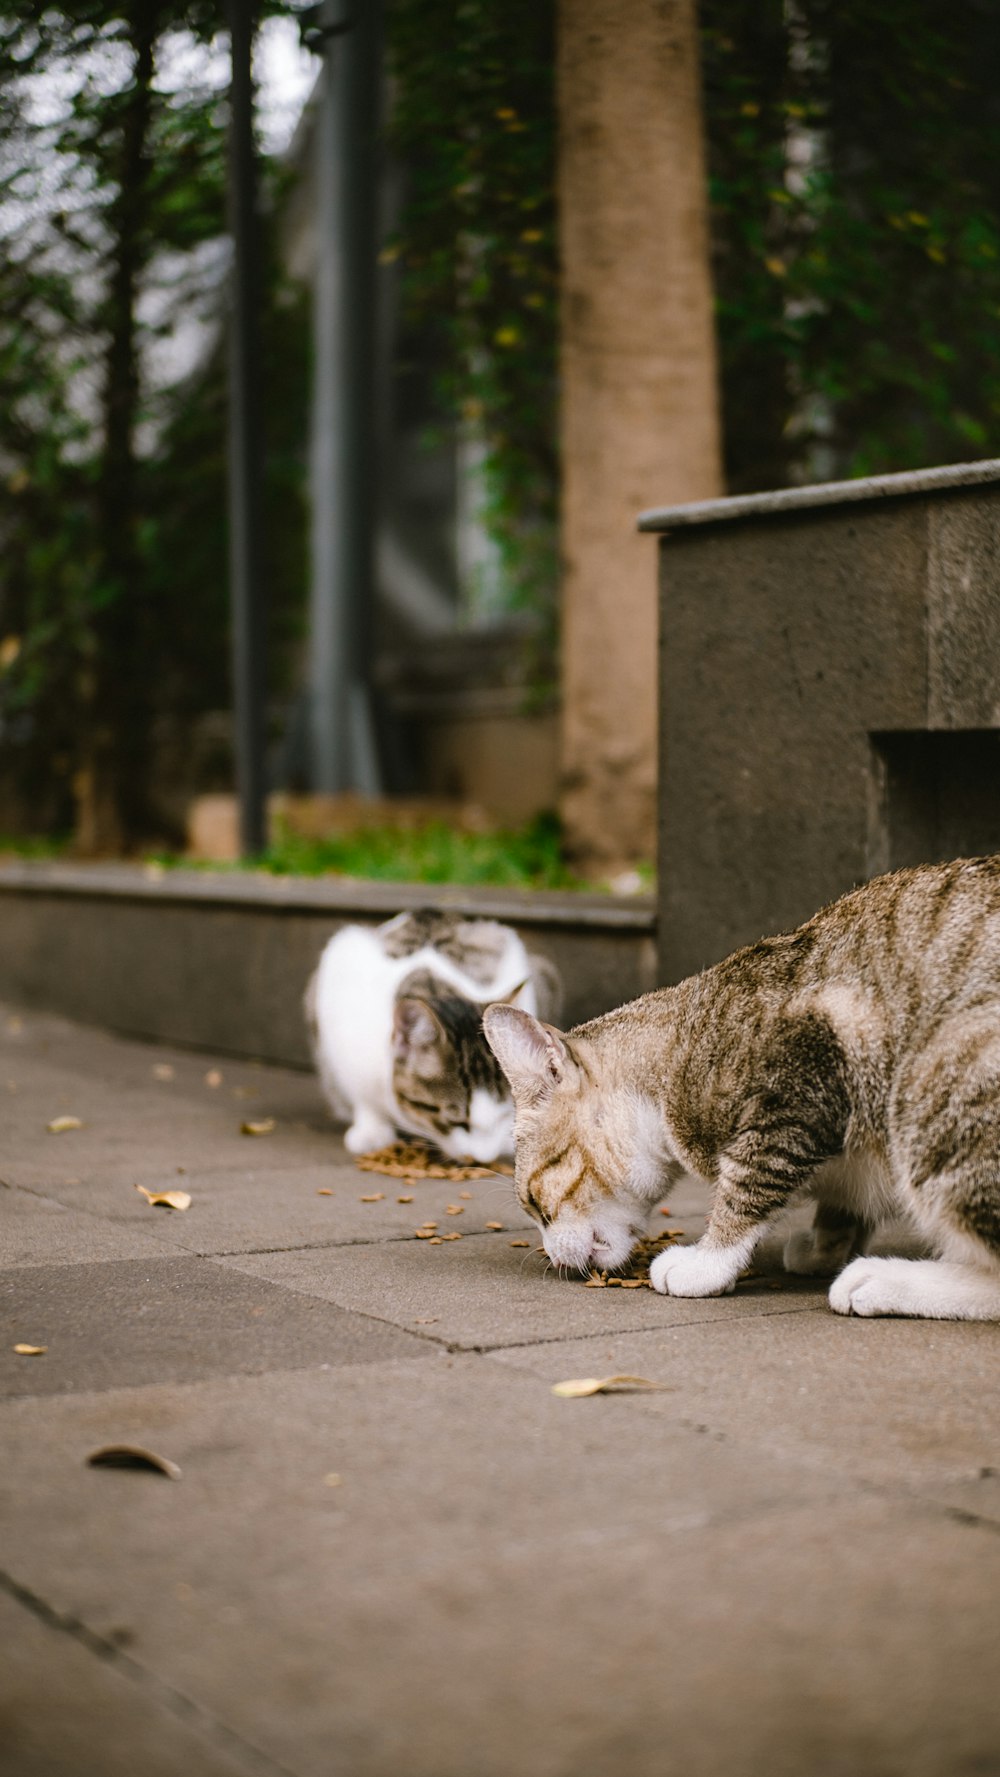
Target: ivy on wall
<point x="854" y="157"/>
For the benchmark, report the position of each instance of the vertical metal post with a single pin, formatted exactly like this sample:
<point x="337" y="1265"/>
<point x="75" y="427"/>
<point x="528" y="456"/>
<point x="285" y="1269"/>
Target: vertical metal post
<point x="245" y="528"/>
<point x="344" y="754"/>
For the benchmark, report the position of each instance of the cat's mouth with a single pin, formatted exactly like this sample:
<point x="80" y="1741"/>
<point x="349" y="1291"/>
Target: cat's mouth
<point x="579" y="1246"/>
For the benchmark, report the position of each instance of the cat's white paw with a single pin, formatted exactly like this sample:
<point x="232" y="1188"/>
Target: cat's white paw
<point x="926" y="1289"/>
<point x="368" y="1133"/>
<point x="696" y="1271"/>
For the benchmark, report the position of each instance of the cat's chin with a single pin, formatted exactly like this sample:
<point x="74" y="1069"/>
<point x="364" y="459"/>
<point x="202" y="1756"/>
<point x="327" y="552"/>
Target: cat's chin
<point x="579" y="1245"/>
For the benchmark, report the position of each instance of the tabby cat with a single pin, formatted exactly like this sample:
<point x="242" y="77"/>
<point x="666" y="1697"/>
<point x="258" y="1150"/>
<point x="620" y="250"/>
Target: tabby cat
<point x="855" y="1061"/>
<point x="396" y="1019"/>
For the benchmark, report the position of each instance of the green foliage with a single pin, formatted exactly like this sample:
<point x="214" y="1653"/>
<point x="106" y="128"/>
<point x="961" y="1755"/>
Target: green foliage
<point x="113" y="573"/>
<point x="854" y="148"/>
<point x="474" y="120"/>
<point x="854" y="152"/>
<point x="529" y="857"/>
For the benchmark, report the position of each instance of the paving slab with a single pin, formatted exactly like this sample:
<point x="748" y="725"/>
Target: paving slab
<point x="505" y="1581"/>
<point x="870" y="1399"/>
<point x="392" y="1549"/>
<point x="136" y="1321"/>
<point x="268" y="1209"/>
<point x="39" y="1230"/>
<point x="102" y="1716"/>
<point x="484" y="1291"/>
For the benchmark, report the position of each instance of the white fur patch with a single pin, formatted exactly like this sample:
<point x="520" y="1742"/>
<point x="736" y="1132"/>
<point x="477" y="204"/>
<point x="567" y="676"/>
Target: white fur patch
<point x="651" y="1156"/>
<point x="701" y="1270"/>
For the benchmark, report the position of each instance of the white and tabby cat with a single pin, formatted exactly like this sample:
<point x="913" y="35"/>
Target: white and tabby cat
<point x="855" y="1060"/>
<point x="396" y="1018"/>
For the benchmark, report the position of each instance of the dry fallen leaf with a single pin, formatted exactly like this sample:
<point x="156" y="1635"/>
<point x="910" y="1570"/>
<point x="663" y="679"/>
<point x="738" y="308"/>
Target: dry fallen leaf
<point x="264" y="1127"/>
<point x="466" y="1196"/>
<point x="436" y="1239"/>
<point x="324" y="1193"/>
<point x="520" y="1243"/>
<point x="576" y="1388"/>
<point x="213" y="1077"/>
<point x="133" y="1456"/>
<point x="59" y="1125"/>
<point x="375" y="1197"/>
<point x="167" y="1199"/>
<point x="424" y="1234"/>
<point x="163" y="1071"/>
<point x="404" y="1199"/>
<point x="455" y="1209"/>
<point x="31" y="1350"/>
<point x="332" y="1480"/>
<point x="495" y="1227"/>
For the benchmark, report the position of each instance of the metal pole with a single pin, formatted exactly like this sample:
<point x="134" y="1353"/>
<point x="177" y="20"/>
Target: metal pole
<point x="245" y="529"/>
<point x="344" y="754"/>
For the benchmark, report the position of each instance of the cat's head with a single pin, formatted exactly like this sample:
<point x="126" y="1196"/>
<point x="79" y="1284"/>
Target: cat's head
<point x="444" y="1079"/>
<point x="577" y="1149"/>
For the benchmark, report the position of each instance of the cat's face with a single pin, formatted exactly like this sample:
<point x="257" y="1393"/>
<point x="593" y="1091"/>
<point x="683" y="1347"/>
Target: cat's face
<point x="445" y="1081"/>
<point x="577" y="1163"/>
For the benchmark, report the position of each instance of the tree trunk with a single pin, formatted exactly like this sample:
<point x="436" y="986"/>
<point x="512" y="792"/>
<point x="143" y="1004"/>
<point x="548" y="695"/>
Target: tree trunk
<point x="110" y="783"/>
<point x="639" y="403"/>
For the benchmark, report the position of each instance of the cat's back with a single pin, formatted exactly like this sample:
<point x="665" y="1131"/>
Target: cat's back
<point x="479" y="957"/>
<point x="927" y="933"/>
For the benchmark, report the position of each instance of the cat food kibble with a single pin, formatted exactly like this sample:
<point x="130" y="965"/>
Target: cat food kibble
<point x="413" y="1160"/>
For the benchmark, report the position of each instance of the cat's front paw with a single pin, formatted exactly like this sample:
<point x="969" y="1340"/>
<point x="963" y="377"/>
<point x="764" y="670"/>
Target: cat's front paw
<point x="695" y="1271"/>
<point x="368" y="1134"/>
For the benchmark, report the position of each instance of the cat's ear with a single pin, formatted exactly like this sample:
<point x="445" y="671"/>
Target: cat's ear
<point x="414" y="1026"/>
<point x="533" y="1055"/>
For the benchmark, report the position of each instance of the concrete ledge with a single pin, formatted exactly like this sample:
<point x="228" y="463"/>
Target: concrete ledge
<point x="911" y="483"/>
<point x="220" y="960"/>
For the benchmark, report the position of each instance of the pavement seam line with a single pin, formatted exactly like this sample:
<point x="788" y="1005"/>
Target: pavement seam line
<point x="185" y="1708"/>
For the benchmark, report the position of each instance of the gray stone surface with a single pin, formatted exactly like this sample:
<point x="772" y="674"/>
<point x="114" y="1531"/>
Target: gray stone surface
<point x="69" y="1704"/>
<point x="830" y="697"/>
<point x="393" y="1550"/>
<point x="949" y="477"/>
<point x="482" y="1292"/>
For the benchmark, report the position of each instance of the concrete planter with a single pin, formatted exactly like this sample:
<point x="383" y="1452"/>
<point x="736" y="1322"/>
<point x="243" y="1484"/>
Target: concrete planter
<point x="830" y="696"/>
<point x="221" y="961"/>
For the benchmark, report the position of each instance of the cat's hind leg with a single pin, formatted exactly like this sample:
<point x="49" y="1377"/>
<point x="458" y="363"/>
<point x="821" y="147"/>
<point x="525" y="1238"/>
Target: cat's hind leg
<point x="924" y="1289"/>
<point x="824" y="1249"/>
<point x="946" y="1144"/>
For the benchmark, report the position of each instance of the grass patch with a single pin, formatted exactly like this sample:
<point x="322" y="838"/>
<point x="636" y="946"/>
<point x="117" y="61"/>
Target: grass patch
<point x="528" y="857"/>
<point x="33" y="848"/>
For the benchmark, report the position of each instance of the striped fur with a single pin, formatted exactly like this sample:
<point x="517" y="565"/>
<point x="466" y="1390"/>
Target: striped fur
<point x="856" y="1060"/>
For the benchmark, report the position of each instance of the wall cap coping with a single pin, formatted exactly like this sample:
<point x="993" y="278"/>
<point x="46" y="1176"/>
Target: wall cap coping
<point x="911" y="483"/>
<point x="337" y="898"/>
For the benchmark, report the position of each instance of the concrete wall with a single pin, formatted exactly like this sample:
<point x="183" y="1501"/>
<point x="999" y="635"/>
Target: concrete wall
<point x="221" y="962"/>
<point x="830" y="697"/>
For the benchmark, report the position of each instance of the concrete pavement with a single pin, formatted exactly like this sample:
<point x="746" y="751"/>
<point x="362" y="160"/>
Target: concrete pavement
<point x="393" y="1552"/>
